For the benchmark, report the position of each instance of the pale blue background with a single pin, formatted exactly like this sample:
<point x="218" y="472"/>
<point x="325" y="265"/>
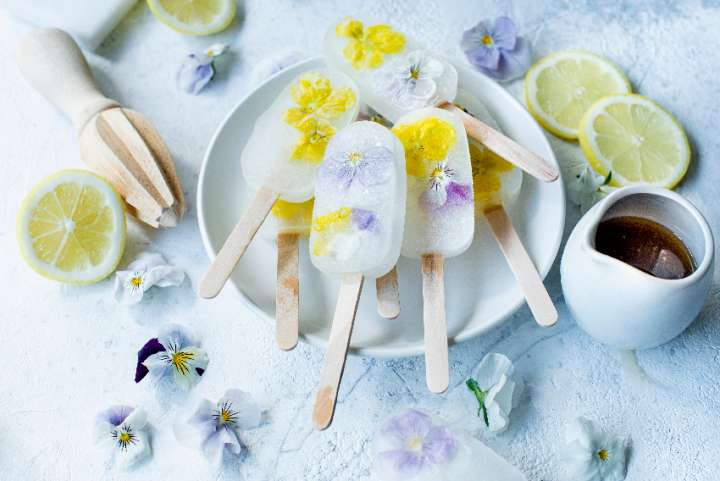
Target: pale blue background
<point x="68" y="352"/>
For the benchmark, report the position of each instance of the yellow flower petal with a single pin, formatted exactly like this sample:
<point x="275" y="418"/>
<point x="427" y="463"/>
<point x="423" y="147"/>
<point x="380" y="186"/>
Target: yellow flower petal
<point x="337" y="103"/>
<point x="350" y="28"/>
<point x="312" y="144"/>
<point x="426" y="142"/>
<point x="367" y="47"/>
<point x="385" y="39"/>
<point x="487" y="170"/>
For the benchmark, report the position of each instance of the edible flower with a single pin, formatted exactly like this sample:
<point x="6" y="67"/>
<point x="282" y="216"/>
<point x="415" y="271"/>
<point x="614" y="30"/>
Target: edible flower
<point x="367" y="47"/>
<point x="121" y="431"/>
<point x="592" y="454"/>
<point x="426" y="143"/>
<point x="336" y="231"/>
<point x="315" y="97"/>
<point x="412" y="445"/>
<point x="148" y="270"/>
<point x="314" y="140"/>
<point x="585" y="187"/>
<point x="199" y="69"/>
<point x="411" y="80"/>
<point x="175" y="352"/>
<point x="487" y="171"/>
<point x="215" y="427"/>
<point x="368" y="164"/>
<point x="496" y="390"/>
<point x="497" y="50"/>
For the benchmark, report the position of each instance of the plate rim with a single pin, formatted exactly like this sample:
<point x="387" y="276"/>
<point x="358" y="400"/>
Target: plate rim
<point x="374" y="351"/>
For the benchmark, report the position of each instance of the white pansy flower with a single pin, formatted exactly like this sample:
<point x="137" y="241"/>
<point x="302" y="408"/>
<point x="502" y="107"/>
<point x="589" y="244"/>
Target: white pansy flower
<point x="215" y="428"/>
<point x="181" y="357"/>
<point x="585" y="187"/>
<point x="592" y="454"/>
<point x="121" y="431"/>
<point x="496" y="390"/>
<point x="411" y="81"/>
<point x="148" y="270"/>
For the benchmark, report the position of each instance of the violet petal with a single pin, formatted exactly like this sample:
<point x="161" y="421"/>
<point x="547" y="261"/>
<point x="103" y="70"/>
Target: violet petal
<point x="364" y="219"/>
<point x="408" y="463"/>
<point x="504" y="33"/>
<point x="458" y="194"/>
<point x="151" y="347"/>
<point x="439" y="446"/>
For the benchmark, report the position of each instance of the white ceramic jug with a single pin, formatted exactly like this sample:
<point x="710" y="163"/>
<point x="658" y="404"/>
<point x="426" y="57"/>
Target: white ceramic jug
<point x="623" y="306"/>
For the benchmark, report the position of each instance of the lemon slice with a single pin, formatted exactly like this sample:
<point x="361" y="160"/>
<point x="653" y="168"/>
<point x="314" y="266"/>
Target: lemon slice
<point x="194" y="17"/>
<point x="71" y="227"/>
<point x="635" y="139"/>
<point x="561" y="87"/>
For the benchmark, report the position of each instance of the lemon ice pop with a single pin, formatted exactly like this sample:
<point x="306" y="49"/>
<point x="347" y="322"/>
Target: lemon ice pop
<point x="357" y="232"/>
<point x="396" y="75"/>
<point x="282" y="155"/>
<point x="439" y="222"/>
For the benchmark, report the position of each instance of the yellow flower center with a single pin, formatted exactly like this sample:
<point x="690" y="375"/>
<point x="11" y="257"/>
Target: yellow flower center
<point x="426" y="143"/>
<point x="437" y="172"/>
<point x="487" y="40"/>
<point x="603" y="454"/>
<point x="414" y="73"/>
<point x="354" y="158"/>
<point x="415" y="443"/>
<point x="180" y="359"/>
<point x="136" y="281"/>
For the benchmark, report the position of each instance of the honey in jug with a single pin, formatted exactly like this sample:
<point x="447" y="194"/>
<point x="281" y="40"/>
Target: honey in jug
<point x="645" y="245"/>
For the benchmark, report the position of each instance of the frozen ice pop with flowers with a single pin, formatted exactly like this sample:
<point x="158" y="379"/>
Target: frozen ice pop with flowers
<point x="282" y="155"/>
<point x="357" y="232"/>
<point x="290" y="221"/>
<point x="496" y="184"/>
<point x="396" y="75"/>
<point x="440" y="221"/>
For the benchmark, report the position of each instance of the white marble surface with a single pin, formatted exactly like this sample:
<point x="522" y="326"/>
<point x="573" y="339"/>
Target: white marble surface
<point x="69" y="351"/>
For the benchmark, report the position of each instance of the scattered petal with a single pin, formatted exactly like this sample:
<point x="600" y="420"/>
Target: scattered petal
<point x="496" y="391"/>
<point x="148" y="270"/>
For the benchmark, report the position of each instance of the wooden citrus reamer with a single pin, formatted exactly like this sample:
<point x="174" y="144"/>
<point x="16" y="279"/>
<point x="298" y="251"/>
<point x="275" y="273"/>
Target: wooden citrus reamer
<point x="118" y="143"/>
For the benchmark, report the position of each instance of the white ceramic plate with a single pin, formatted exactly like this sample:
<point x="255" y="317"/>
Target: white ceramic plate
<point x="479" y="287"/>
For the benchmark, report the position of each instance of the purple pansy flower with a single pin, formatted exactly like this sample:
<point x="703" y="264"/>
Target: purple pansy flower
<point x="371" y="166"/>
<point x="198" y="69"/>
<point x="174" y="352"/>
<point x="443" y="191"/>
<point x="497" y="50"/>
<point x="214" y="427"/>
<point x="411" y="443"/>
<point x="122" y="432"/>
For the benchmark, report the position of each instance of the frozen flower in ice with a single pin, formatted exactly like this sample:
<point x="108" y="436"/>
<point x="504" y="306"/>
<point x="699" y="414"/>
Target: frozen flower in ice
<point x="412" y="444"/>
<point x="584" y="186"/>
<point x="215" y="428"/>
<point x="199" y="69"/>
<point x="497" y="50"/>
<point x="367" y="45"/>
<point x="426" y="143"/>
<point x="175" y="352"/>
<point x="148" y="270"/>
<point x="411" y="81"/>
<point x="273" y="64"/>
<point x="367" y="166"/>
<point x="496" y="390"/>
<point x="592" y="454"/>
<point x="122" y="432"/>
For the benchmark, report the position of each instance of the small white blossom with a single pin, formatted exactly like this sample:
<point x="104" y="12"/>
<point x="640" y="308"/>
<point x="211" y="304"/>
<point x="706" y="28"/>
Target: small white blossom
<point x="592" y="454"/>
<point x="411" y="81"/>
<point x="121" y="431"/>
<point x="199" y="69"/>
<point x="585" y="187"/>
<point x="215" y="428"/>
<point x="148" y="270"/>
<point x="496" y="391"/>
<point x="181" y="357"/>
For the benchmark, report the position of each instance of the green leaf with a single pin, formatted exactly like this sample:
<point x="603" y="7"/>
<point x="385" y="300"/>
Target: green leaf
<point x="480" y="396"/>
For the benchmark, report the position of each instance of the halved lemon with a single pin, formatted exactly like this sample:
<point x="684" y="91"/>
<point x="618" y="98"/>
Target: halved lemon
<point x="636" y="139"/>
<point x="561" y="87"/>
<point x="194" y="17"/>
<point x="71" y="227"/>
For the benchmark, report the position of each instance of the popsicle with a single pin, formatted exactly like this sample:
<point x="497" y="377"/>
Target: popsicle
<point x="290" y="221"/>
<point x="283" y="154"/>
<point x="439" y="221"/>
<point x="357" y="232"/>
<point x="396" y="75"/>
<point x="496" y="184"/>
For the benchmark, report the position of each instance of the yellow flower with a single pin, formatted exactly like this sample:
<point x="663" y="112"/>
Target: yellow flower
<point x="315" y="136"/>
<point x="367" y="46"/>
<point x="327" y="226"/>
<point x="487" y="170"/>
<point x="293" y="211"/>
<point x="426" y="143"/>
<point x="315" y="96"/>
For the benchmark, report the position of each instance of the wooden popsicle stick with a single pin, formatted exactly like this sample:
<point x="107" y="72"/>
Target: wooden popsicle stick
<point x="504" y="146"/>
<point x="388" y="295"/>
<point x="527" y="276"/>
<point x="437" y="372"/>
<point x="237" y="243"/>
<point x="287" y="293"/>
<point x="340" y="334"/>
